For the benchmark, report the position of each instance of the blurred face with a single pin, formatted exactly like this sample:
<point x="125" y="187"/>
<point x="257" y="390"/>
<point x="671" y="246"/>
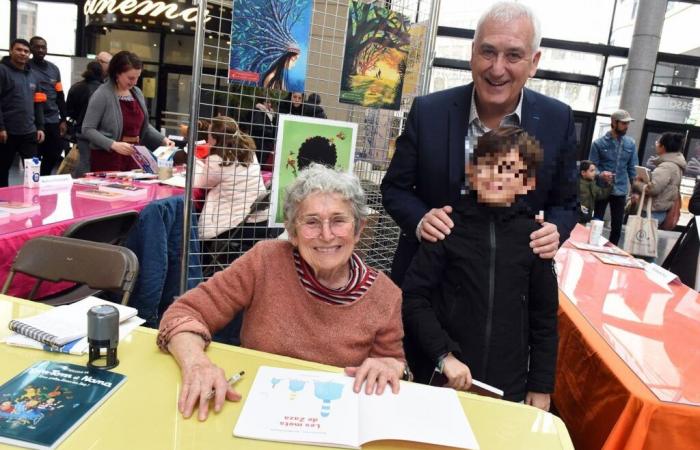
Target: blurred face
<point x="104" y="58"/>
<point x="590" y="173"/>
<point x="38" y="49"/>
<point x="297" y="98"/>
<point x="19" y="54"/>
<point x="324" y="233"/>
<point x="127" y="80"/>
<point x="620" y="127"/>
<point x="660" y="149"/>
<point x="499" y="179"/>
<point x="502" y="61"/>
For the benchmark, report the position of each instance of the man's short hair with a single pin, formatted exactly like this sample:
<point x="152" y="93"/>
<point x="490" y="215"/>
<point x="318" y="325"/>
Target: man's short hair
<point x="19" y="41"/>
<point x="504" y="12"/>
<point x="501" y="140"/>
<point x="34" y="39"/>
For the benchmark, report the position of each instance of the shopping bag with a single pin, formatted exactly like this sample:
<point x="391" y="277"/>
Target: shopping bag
<point x="641" y="232"/>
<point x="70" y="161"/>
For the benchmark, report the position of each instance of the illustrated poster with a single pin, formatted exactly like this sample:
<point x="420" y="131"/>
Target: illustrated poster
<point x="302" y="141"/>
<point x="270" y="43"/>
<point x="377" y="43"/>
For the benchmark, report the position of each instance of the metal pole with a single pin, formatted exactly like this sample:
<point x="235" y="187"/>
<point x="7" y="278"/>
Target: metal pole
<point x="430" y="46"/>
<point x="192" y="136"/>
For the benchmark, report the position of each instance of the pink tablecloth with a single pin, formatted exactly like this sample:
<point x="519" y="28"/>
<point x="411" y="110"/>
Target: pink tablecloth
<point x="59" y="209"/>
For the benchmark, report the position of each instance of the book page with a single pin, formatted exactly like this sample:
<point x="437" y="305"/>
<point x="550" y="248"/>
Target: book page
<point x="300" y="406"/>
<point x="69" y="322"/>
<point x="418" y="413"/>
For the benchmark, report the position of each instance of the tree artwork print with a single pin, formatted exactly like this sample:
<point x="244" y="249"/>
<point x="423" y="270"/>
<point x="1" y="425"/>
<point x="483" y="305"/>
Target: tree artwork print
<point x="376" y="47"/>
<point x="269" y="43"/>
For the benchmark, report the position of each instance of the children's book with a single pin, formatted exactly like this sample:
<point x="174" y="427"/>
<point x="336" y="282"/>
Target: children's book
<point x="58" y="326"/>
<point x="96" y="194"/>
<point x="19" y="207"/>
<point x="126" y="189"/>
<point x="77" y="347"/>
<point x="144" y="158"/>
<point x="320" y="408"/>
<point x="42" y="405"/>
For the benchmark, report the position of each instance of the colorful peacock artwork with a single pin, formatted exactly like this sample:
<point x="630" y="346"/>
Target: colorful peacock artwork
<point x="270" y="42"/>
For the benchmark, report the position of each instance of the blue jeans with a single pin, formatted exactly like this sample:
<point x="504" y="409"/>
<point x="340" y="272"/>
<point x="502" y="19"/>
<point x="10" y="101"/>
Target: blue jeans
<point x="660" y="216"/>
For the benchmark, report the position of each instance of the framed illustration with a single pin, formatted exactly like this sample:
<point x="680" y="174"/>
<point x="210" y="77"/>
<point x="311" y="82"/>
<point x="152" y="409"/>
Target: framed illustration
<point x="270" y="43"/>
<point x="377" y="42"/>
<point x="302" y="141"/>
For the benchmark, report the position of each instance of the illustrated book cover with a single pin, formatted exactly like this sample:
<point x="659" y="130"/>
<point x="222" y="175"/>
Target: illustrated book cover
<point x="42" y="405"/>
<point x="320" y="408"/>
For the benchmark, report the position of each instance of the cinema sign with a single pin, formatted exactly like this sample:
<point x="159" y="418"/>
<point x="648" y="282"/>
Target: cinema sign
<point x="173" y="15"/>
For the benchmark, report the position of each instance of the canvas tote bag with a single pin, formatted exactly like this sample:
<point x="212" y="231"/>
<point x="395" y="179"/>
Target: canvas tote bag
<point x="640" y="234"/>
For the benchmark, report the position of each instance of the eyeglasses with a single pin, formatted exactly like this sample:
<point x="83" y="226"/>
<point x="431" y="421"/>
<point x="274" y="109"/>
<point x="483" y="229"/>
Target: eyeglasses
<point x="311" y="227"/>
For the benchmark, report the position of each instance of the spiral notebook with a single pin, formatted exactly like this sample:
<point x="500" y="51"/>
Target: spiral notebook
<point x="64" y="324"/>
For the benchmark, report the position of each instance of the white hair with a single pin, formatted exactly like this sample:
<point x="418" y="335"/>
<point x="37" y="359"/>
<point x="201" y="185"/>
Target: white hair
<point x="504" y="12"/>
<point x="318" y="178"/>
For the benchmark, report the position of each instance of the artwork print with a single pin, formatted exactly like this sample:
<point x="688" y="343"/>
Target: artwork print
<point x="270" y="43"/>
<point x="305" y="140"/>
<point x="377" y="43"/>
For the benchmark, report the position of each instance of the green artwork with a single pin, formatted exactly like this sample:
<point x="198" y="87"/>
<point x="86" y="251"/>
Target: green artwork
<point x="302" y="141"/>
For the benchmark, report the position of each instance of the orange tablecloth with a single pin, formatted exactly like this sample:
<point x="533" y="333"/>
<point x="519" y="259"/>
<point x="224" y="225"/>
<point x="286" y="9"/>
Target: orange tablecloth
<point x="626" y="342"/>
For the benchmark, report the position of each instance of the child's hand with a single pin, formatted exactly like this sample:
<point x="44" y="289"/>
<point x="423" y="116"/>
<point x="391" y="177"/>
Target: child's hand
<point x="458" y="375"/>
<point x="538" y="400"/>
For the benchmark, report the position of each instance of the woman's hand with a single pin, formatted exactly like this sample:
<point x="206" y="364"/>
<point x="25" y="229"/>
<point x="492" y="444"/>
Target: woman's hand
<point x="458" y="375"/>
<point x="168" y="142"/>
<point x="538" y="400"/>
<point x="122" y="148"/>
<point x="203" y="381"/>
<point x="377" y="372"/>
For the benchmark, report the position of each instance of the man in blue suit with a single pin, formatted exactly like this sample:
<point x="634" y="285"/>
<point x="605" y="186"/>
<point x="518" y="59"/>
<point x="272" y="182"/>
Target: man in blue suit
<point x="426" y="175"/>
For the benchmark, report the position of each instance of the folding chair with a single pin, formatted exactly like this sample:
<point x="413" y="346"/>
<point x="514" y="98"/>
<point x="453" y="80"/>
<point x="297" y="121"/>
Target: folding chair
<point x="95" y="264"/>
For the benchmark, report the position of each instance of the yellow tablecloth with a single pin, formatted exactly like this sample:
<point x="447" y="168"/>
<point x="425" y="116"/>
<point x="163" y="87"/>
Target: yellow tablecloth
<point x="143" y="414"/>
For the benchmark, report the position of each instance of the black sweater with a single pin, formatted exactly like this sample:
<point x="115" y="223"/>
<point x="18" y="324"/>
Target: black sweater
<point x="483" y="295"/>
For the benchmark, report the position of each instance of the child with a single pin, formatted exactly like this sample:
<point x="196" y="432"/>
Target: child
<point x="589" y="191"/>
<point x="480" y="302"/>
<point x="229" y="223"/>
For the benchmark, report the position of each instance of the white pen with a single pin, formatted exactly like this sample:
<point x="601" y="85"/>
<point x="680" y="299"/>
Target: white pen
<point x="233" y="379"/>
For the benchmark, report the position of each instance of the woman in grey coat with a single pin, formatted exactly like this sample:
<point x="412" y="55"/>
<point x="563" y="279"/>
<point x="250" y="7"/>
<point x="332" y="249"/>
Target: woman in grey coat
<point x="666" y="177"/>
<point x="117" y="119"/>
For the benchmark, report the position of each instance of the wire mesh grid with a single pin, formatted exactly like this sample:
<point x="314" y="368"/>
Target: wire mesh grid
<point x="231" y="200"/>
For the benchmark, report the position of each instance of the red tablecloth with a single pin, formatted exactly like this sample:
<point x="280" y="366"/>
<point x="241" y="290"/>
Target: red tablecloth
<point x="59" y="209"/>
<point x="628" y="374"/>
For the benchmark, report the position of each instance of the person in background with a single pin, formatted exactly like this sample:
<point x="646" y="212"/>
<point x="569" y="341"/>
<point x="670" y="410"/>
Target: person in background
<point x="615" y="156"/>
<point x="313" y="107"/>
<point x="264" y="132"/>
<point x="292" y="104"/>
<point x="117" y="119"/>
<point x="76" y="106"/>
<point x="21" y="109"/>
<point x="104" y="58"/>
<point x="666" y="178"/>
<point x="48" y="79"/>
<point x="310" y="297"/>
<point x="694" y="202"/>
<point x="588" y="190"/>
<point x="466" y="319"/>
<point x="231" y="175"/>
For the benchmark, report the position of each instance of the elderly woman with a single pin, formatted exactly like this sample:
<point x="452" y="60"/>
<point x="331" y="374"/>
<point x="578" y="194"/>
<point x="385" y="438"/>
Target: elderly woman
<point x="310" y="297"/>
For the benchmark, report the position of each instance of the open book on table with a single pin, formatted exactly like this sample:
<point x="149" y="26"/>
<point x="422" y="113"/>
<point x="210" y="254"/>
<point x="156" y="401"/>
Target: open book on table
<point x="320" y="408"/>
<point x="58" y="326"/>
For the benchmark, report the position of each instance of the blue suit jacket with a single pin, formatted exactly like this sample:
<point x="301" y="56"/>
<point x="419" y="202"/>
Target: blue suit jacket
<point x="427" y="170"/>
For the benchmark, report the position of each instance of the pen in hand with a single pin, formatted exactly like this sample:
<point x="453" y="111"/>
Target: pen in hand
<point x="233" y="379"/>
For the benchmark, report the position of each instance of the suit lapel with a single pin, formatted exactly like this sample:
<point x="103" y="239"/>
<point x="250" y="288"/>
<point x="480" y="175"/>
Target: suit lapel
<point x="458" y="116"/>
<point x="530" y="120"/>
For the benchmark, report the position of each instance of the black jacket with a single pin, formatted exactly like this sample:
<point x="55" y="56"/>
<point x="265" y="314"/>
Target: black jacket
<point x="21" y="109"/>
<point x="483" y="295"/>
<point x="78" y="98"/>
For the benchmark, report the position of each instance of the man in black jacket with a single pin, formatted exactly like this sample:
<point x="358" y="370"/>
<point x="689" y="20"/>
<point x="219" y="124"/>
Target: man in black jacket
<point x="76" y="105"/>
<point x="480" y="302"/>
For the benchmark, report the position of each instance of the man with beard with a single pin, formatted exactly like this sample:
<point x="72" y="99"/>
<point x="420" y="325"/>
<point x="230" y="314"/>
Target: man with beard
<point x="615" y="155"/>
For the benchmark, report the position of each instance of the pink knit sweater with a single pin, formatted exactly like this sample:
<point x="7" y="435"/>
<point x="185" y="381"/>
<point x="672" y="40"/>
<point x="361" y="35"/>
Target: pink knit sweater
<point x="282" y="318"/>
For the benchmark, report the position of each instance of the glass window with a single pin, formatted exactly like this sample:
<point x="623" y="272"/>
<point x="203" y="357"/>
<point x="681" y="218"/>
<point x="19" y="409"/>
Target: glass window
<point x="4" y="23"/>
<point x="149" y="87"/>
<point x="693" y="158"/>
<point x="670" y="74"/>
<point x="671" y="108"/>
<point x="616" y="76"/>
<point x="612" y="86"/>
<point x="144" y="44"/>
<point x="581" y="97"/>
<point x="649" y="149"/>
<point x="569" y="61"/>
<point x="179" y="49"/>
<point x="592" y="22"/>
<point x="447" y="78"/>
<point x="40" y="18"/>
<point x="679" y="34"/>
<point x="453" y="48"/>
